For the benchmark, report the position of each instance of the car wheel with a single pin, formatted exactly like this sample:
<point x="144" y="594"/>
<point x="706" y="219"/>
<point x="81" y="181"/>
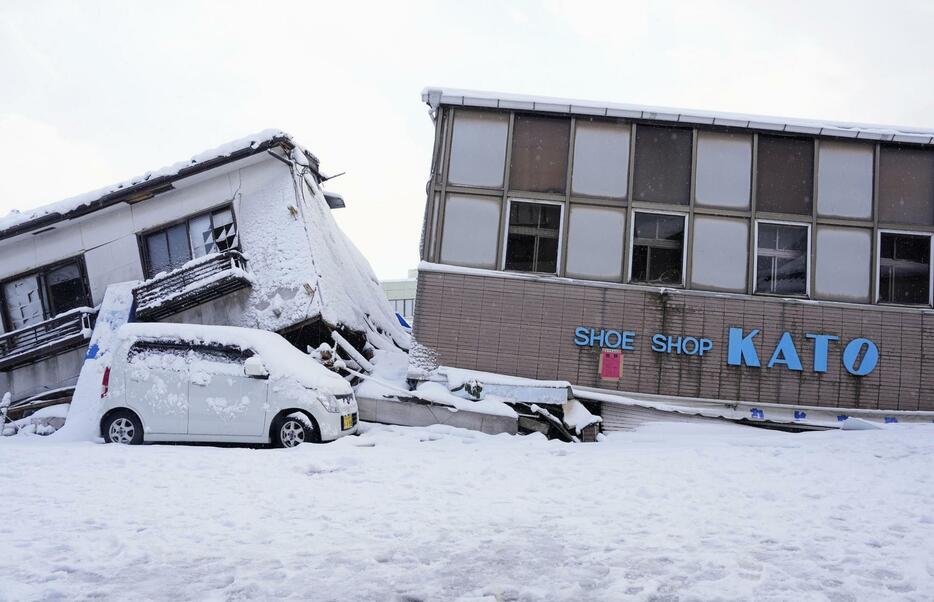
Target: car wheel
<point x="123" y="428"/>
<point x="292" y="431"/>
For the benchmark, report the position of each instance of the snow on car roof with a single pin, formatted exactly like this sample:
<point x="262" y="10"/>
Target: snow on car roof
<point x="546" y="104"/>
<point x="281" y="359"/>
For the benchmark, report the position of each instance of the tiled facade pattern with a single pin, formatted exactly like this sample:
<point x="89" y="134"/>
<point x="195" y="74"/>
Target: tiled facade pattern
<point x="525" y="327"/>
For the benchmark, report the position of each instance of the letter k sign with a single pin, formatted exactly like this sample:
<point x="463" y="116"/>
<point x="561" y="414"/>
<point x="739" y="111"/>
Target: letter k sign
<point x="741" y="350"/>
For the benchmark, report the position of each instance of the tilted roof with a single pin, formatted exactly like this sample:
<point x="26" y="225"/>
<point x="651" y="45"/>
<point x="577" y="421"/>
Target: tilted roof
<point x="159" y="180"/>
<point x="435" y="97"/>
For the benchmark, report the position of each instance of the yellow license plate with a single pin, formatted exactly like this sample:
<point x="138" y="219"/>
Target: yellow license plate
<point x="346" y="422"/>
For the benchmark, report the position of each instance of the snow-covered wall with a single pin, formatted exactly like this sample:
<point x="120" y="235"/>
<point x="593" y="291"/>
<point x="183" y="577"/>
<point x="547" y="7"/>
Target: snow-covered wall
<point x="303" y="265"/>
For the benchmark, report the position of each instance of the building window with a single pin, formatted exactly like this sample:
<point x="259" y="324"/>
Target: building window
<point x="171" y="247"/>
<point x="478" y="149"/>
<point x="658" y="248"/>
<point x="601" y="159"/>
<point x="906" y="186"/>
<point x="539" y="160"/>
<point x="785" y="175"/>
<point x="904" y="268"/>
<point x="45" y="294"/>
<point x="404" y="307"/>
<point x="471" y="230"/>
<point x="663" y="165"/>
<point x="782" y="259"/>
<point x="533" y="237"/>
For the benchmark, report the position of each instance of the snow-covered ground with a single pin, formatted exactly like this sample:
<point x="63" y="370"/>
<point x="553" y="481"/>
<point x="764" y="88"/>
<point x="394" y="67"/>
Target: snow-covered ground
<point x="668" y="512"/>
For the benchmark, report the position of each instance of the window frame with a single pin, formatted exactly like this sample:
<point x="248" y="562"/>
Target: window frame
<point x="807" y="254"/>
<point x="505" y="234"/>
<point x="878" y="257"/>
<point x="684" y="246"/>
<point x="40" y="273"/>
<point x="142" y="235"/>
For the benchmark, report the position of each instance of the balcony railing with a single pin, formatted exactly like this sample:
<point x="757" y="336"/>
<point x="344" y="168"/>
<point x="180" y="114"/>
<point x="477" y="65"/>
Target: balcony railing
<point x="32" y="343"/>
<point x="196" y="282"/>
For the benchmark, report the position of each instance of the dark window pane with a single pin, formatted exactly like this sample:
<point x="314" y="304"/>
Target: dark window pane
<point x="665" y="266"/>
<point x="657" y="248"/>
<point x="520" y="252"/>
<point x="168" y="249"/>
<point x="66" y="289"/>
<point x="157" y="249"/>
<point x="663" y="165"/>
<point x="640" y="263"/>
<point x="179" y="247"/>
<point x="781" y="259"/>
<point x="785" y="175"/>
<point x="540" y="154"/>
<point x="547" y="257"/>
<point x="532" y="244"/>
<point x="906" y="186"/>
<point x="904" y="268"/>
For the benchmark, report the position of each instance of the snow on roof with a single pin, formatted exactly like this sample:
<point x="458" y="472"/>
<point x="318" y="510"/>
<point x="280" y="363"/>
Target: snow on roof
<point x="349" y="292"/>
<point x="473" y="98"/>
<point x="282" y="360"/>
<point x="41" y="216"/>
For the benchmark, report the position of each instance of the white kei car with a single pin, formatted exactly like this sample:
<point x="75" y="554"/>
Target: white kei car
<point x="183" y="382"/>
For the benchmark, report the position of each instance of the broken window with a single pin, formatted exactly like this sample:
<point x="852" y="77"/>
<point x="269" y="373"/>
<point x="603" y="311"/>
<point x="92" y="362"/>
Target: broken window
<point x="532" y="241"/>
<point x="904" y="268"/>
<point x="203" y="234"/>
<point x="782" y="259"/>
<point x="658" y="248"/>
<point x="44" y="294"/>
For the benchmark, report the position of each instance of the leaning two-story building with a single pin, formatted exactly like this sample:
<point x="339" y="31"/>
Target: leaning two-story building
<point x="240" y="235"/>
<point x="780" y="264"/>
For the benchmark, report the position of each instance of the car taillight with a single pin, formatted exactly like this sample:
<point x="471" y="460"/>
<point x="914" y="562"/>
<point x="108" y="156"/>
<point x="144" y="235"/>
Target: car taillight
<point x="105" y="382"/>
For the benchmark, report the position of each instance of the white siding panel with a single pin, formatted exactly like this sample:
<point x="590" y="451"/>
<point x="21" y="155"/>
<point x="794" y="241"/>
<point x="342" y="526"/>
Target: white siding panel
<point x="471" y="231"/>
<point x="844" y="179"/>
<point x="601" y="159"/>
<point x="844" y="259"/>
<point x="61" y="243"/>
<point x="478" y="148"/>
<point x="724" y="170"/>
<point x="106" y="226"/>
<point x="719" y="253"/>
<point x="19" y="255"/>
<point x="117" y="261"/>
<point x="595" y="242"/>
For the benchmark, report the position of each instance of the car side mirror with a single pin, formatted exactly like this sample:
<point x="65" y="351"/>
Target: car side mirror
<point x="254" y="367"/>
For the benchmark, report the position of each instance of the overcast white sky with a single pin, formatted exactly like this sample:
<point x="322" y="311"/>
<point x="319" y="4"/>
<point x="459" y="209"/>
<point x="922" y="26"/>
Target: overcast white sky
<point x="96" y="92"/>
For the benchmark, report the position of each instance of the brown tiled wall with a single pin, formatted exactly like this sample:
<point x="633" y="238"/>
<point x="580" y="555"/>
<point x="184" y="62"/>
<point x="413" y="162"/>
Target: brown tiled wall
<point x="526" y="328"/>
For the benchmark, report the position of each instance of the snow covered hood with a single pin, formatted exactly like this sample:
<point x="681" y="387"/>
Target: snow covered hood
<point x="18" y="222"/>
<point x="281" y="359"/>
<point x="473" y="98"/>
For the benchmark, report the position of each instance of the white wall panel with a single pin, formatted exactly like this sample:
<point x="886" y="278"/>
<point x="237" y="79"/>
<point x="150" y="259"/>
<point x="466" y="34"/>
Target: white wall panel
<point x="844" y="260"/>
<point x="844" y="179"/>
<point x="471" y="230"/>
<point x="719" y="253"/>
<point x="595" y="242"/>
<point x="61" y="243"/>
<point x="117" y="261"/>
<point x="724" y="170"/>
<point x="601" y="159"/>
<point x="106" y="226"/>
<point x="18" y="255"/>
<point x="478" y="148"/>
